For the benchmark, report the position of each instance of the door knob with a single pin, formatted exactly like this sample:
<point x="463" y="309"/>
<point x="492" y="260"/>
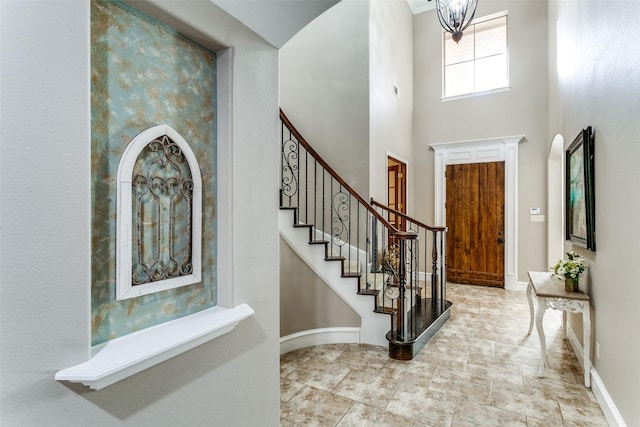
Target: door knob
<point x="500" y="240"/>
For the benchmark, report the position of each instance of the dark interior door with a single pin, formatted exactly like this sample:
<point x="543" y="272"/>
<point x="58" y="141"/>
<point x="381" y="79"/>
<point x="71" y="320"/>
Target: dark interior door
<point x="397" y="191"/>
<point x="475" y="219"/>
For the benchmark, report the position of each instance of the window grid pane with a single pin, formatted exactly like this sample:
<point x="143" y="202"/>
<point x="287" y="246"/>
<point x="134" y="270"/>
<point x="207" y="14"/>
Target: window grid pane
<point x="459" y="52"/>
<point x="490" y="73"/>
<point x="491" y="37"/>
<point x="460" y="79"/>
<point x="479" y="62"/>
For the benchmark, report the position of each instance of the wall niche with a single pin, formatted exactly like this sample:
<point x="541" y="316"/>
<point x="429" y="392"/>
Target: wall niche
<point x="144" y="74"/>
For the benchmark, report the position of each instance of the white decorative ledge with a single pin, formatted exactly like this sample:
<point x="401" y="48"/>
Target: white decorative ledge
<point x="126" y="356"/>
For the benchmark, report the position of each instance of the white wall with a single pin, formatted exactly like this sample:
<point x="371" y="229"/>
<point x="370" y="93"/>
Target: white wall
<point x="520" y="111"/>
<point x="324" y="88"/>
<point x="595" y="80"/>
<point x="266" y="17"/>
<point x="390" y="62"/>
<point x="45" y="246"/>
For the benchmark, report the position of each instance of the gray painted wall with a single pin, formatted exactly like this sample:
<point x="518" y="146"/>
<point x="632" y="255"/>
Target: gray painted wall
<point x="324" y="88"/>
<point x="306" y="302"/>
<point x="594" y="69"/>
<point x="45" y="246"/>
<point x="520" y="111"/>
<point x="390" y="121"/>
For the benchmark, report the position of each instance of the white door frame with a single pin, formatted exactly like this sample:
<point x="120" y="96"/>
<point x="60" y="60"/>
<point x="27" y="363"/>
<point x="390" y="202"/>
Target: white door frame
<point x="555" y="200"/>
<point x="483" y="151"/>
<point x="406" y="163"/>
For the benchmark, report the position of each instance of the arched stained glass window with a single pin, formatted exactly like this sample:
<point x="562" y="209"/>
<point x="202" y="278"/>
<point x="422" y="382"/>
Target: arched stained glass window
<point x="159" y="222"/>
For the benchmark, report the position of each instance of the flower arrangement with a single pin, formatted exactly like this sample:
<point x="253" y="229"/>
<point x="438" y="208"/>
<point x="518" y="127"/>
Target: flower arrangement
<point x="389" y="260"/>
<point x="570" y="269"/>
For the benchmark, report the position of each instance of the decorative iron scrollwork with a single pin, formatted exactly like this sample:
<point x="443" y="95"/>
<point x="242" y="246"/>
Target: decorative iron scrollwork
<point x="340" y="218"/>
<point x="162" y="192"/>
<point x="390" y="291"/>
<point x="290" y="153"/>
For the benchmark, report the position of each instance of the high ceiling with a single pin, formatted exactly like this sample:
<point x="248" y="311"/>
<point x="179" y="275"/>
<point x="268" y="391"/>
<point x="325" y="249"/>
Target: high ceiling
<point x="278" y="20"/>
<point x="419" y="6"/>
<point x="275" y="20"/>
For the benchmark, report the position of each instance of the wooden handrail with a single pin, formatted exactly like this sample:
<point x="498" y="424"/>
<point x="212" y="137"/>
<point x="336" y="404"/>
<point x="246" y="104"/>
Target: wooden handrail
<point x="405" y="216"/>
<point x="382" y="258"/>
<point x="335" y="175"/>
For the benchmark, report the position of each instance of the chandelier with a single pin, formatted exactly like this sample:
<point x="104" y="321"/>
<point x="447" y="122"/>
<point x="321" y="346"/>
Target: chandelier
<point x="456" y="15"/>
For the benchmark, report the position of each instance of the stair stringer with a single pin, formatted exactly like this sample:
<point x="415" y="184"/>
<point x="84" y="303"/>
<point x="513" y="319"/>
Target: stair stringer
<point x="373" y="326"/>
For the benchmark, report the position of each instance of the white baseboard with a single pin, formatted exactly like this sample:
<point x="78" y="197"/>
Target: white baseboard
<point x="318" y="337"/>
<point x="515" y="286"/>
<point x="611" y="413"/>
<point x="609" y="409"/>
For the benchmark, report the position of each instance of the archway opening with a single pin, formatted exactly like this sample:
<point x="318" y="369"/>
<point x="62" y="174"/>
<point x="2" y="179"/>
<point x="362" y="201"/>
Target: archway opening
<point x="555" y="200"/>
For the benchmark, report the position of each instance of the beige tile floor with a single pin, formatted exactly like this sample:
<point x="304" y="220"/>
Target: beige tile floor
<point x="478" y="370"/>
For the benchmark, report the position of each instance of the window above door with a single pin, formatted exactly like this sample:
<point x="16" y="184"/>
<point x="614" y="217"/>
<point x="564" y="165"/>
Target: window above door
<point x="479" y="63"/>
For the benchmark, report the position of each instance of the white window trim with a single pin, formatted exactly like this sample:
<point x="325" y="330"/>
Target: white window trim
<point x="484" y="92"/>
<point x="474" y="94"/>
<point x="124" y="285"/>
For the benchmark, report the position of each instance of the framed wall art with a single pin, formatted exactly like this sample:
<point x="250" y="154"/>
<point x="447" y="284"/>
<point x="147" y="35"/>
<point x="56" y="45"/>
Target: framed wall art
<point x="580" y="191"/>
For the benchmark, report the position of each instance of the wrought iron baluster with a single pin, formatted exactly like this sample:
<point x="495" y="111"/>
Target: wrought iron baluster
<point x="298" y="193"/>
<point x="359" y="269"/>
<point x="349" y="246"/>
<point x="402" y="318"/>
<point x="323" y="205"/>
<point x="306" y="187"/>
<point x="443" y="270"/>
<point x="331" y="217"/>
<point x="434" y="266"/>
<point x="289" y="169"/>
<point x="315" y="198"/>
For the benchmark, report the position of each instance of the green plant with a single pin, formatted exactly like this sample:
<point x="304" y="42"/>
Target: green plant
<point x="570" y="268"/>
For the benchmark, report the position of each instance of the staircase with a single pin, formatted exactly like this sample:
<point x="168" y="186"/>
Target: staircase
<point x="384" y="274"/>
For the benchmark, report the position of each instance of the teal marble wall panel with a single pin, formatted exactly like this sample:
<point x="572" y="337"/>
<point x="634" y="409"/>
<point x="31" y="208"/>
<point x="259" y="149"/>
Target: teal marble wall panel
<point x="144" y="73"/>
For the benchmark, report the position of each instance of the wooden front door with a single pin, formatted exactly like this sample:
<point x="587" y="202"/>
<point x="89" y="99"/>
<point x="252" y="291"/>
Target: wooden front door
<point x="397" y="191"/>
<point x="475" y="219"/>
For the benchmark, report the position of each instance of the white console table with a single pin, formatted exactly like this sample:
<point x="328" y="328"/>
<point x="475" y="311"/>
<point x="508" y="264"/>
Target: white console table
<point x="549" y="291"/>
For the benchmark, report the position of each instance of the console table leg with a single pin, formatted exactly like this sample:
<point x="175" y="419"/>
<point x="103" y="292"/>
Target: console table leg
<point x="530" y="299"/>
<point x="542" y="305"/>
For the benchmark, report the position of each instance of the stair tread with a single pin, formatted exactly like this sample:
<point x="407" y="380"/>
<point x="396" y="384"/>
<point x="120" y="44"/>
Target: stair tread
<point x="334" y="256"/>
<point x="386" y="310"/>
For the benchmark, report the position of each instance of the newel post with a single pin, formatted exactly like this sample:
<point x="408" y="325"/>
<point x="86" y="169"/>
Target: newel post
<point x="403" y="239"/>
